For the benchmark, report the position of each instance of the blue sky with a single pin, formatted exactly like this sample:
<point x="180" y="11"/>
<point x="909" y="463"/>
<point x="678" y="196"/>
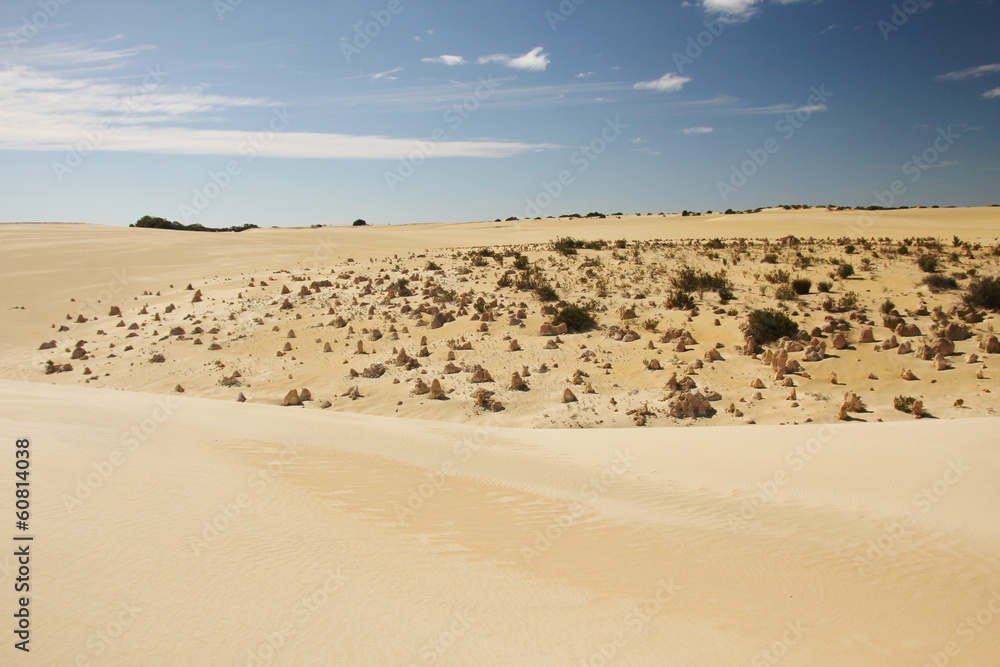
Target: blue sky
<point x="226" y="112"/>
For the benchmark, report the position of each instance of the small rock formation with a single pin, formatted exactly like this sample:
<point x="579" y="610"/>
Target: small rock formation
<point x="481" y="375"/>
<point x="867" y="336"/>
<point x="437" y="392"/>
<point x="568" y="396"/>
<point x="690" y="404"/>
<point x="990" y="344"/>
<point x="908" y="375"/>
<point x="517" y="383"/>
<point x="291" y="398"/>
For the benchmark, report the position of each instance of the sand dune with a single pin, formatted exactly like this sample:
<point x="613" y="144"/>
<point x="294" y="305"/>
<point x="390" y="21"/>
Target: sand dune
<point x="346" y="539"/>
<point x="175" y="525"/>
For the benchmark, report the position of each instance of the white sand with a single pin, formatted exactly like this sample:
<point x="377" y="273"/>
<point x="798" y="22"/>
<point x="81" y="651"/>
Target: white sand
<point x="188" y="530"/>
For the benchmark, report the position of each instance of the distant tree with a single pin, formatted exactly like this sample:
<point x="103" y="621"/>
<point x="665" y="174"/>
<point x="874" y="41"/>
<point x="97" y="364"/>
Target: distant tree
<point x="359" y="223"/>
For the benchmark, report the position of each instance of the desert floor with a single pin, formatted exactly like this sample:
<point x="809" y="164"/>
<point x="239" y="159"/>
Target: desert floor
<point x="418" y="508"/>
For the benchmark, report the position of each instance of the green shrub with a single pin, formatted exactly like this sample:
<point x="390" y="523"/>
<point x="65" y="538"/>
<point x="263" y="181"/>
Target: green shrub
<point x="824" y="286"/>
<point x="504" y="281"/>
<point x="679" y="300"/>
<point x="432" y="266"/>
<point x="479" y="260"/>
<point x="650" y="325"/>
<point x="785" y="292"/>
<point x="576" y="318"/>
<point x="845" y="271"/>
<point x="770" y="258"/>
<point x="848" y="302"/>
<point x="887" y="307"/>
<point x="767" y="326"/>
<point x="777" y="276"/>
<point x="545" y="292"/>
<point x="984" y="292"/>
<point x="904" y="403"/>
<point x="520" y="262"/>
<point x="937" y="282"/>
<point x="688" y="279"/>
<point x="566" y="246"/>
<point x="927" y="263"/>
<point x="801" y="285"/>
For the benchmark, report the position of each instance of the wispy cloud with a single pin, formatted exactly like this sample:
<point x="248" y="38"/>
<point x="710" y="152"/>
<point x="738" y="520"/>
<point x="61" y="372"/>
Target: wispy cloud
<point x="970" y="73"/>
<point x="57" y="110"/>
<point x="735" y="11"/>
<point x="697" y="130"/>
<point x="387" y="75"/>
<point x="535" y="60"/>
<point x="668" y="83"/>
<point x="451" y="61"/>
<point x="992" y="94"/>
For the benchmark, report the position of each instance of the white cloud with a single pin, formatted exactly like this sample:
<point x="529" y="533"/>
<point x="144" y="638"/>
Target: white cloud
<point x="697" y="130"/>
<point x="387" y="75"/>
<point x="584" y="75"/>
<point x="451" y="61"/>
<point x="56" y="111"/>
<point x="734" y="11"/>
<point x="970" y="73"/>
<point x="668" y="83"/>
<point x="535" y="60"/>
<point x="992" y="94"/>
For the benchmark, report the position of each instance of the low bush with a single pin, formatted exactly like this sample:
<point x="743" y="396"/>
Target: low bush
<point x="984" y="292"/>
<point x="679" y="300"/>
<point x="767" y="326"/>
<point x="937" y="283"/>
<point x="802" y="285"/>
<point x="576" y="318"/>
<point x="927" y="263"/>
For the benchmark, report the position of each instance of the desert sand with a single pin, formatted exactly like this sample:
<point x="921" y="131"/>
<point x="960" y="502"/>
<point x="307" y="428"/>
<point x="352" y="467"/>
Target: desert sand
<point x="189" y="508"/>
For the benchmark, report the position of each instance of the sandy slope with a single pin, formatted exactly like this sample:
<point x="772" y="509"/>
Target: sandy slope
<point x="345" y="543"/>
<point x="190" y="529"/>
<point x="52" y="275"/>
